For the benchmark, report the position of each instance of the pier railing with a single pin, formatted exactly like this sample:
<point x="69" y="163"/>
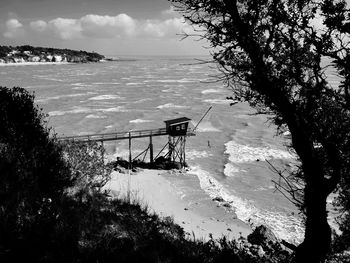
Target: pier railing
<point x="115" y="135"/>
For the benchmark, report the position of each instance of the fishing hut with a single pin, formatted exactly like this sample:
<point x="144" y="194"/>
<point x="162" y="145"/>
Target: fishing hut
<point x="177" y="131"/>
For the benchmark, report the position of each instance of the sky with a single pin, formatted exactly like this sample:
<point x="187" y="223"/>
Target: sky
<point x="109" y="27"/>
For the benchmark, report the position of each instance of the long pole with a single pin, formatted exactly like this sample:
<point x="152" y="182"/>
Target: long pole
<point x="205" y="114"/>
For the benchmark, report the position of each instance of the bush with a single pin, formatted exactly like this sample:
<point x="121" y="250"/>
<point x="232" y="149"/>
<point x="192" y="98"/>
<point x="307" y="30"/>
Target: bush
<point x="34" y="177"/>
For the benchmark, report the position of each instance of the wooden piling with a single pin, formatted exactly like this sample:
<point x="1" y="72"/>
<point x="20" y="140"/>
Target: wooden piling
<point x="130" y="157"/>
<point x="150" y="150"/>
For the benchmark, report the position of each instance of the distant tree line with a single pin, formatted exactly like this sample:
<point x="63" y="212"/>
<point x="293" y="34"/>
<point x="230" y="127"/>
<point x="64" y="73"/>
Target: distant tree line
<point x="8" y="53"/>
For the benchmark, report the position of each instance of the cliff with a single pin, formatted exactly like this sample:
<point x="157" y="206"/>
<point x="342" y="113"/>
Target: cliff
<point x="20" y="54"/>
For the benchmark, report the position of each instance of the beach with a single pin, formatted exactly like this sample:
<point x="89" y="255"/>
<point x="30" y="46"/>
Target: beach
<point x="171" y="193"/>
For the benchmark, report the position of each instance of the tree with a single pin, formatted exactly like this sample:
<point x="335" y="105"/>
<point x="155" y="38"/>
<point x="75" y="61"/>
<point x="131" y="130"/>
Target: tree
<point x="34" y="178"/>
<point x="271" y="53"/>
<point x="87" y="165"/>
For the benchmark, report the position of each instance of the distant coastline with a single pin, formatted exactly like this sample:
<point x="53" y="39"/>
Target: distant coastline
<point x="29" y="55"/>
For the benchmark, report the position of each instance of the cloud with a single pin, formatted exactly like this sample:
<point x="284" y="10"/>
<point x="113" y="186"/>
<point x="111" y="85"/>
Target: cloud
<point x="93" y="26"/>
<point x="108" y="26"/>
<point x="167" y="28"/>
<point x="65" y="28"/>
<point x="39" y="26"/>
<point x="13" y="28"/>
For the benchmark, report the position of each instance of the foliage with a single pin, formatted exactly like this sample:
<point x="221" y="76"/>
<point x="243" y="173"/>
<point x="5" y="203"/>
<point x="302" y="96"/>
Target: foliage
<point x="34" y="177"/>
<point x="86" y="163"/>
<point x="132" y="234"/>
<point x="271" y="54"/>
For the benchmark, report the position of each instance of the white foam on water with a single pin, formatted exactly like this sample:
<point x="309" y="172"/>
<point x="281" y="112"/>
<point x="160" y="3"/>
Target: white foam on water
<point x="95" y="116"/>
<point x="217" y="101"/>
<point x="194" y="154"/>
<point x="81" y="110"/>
<point x="169" y="105"/>
<point x="208" y="91"/>
<point x="106" y="83"/>
<point x="184" y="80"/>
<point x="285" y="226"/>
<point x="133" y="83"/>
<point x="231" y="170"/>
<point x="142" y="100"/>
<point x="114" y="109"/>
<point x="106" y="97"/>
<point x="239" y="153"/>
<point x="64" y="96"/>
<point x="140" y="121"/>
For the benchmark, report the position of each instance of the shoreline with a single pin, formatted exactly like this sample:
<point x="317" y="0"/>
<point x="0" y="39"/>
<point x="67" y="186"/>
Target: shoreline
<point x="11" y="64"/>
<point x="179" y="195"/>
<point x="33" y="63"/>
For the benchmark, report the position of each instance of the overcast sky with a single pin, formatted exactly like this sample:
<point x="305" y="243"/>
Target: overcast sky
<point x="110" y="27"/>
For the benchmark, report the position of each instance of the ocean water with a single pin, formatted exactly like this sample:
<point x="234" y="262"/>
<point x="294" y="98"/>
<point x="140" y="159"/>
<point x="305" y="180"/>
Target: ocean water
<point x="228" y="153"/>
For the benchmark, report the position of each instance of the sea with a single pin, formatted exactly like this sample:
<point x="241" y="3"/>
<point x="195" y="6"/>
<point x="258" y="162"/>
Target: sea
<point x="235" y="151"/>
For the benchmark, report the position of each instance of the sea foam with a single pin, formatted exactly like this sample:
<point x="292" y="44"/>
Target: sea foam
<point x="82" y="110"/>
<point x="105" y="97"/>
<point x="169" y="105"/>
<point x="140" y="121"/>
<point x="207" y="91"/>
<point x="217" y="101"/>
<point x="239" y="153"/>
<point x="286" y="227"/>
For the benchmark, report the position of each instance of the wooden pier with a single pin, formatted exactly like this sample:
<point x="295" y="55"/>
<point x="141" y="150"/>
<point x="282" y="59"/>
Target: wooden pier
<point x="176" y="128"/>
<point x="114" y="136"/>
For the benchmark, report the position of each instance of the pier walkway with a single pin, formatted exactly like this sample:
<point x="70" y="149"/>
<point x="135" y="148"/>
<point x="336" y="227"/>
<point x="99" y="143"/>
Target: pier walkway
<point x="115" y="136"/>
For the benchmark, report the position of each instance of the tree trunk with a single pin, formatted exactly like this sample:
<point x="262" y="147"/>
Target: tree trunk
<point x="317" y="240"/>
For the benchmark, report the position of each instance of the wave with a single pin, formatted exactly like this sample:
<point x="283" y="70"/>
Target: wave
<point x="231" y="170"/>
<point x="217" y="101"/>
<point x="140" y="121"/>
<point x="169" y="105"/>
<point x="239" y="153"/>
<point x="133" y="83"/>
<point x="81" y="110"/>
<point x="64" y="96"/>
<point x="106" y="83"/>
<point x="207" y="91"/>
<point x="285" y="226"/>
<point x="184" y="80"/>
<point x="105" y="97"/>
<point x="94" y="116"/>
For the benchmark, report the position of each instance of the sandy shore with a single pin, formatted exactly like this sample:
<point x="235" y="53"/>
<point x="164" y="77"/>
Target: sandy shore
<point x="179" y="195"/>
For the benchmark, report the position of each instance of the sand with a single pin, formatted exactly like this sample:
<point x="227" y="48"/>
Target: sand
<point x="178" y="195"/>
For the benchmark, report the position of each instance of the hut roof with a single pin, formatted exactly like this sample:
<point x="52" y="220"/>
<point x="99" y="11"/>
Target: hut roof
<point x="178" y="120"/>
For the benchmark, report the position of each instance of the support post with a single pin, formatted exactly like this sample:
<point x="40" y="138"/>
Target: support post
<point x="130" y="157"/>
<point x="170" y="148"/>
<point x="184" y="160"/>
<point x="150" y="149"/>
